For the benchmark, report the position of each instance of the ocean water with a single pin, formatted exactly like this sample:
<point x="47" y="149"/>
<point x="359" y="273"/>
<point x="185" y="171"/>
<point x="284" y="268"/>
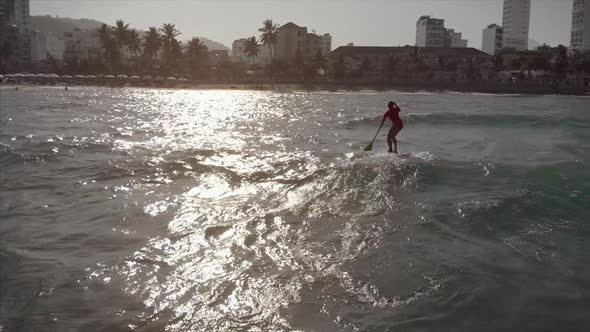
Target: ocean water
<point x="163" y="210"/>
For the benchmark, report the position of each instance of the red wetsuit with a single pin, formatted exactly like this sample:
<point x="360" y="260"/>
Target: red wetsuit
<point x="393" y="115"/>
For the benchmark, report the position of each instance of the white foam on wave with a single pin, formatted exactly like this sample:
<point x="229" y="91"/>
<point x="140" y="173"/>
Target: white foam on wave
<point x="388" y="158"/>
<point x="484" y="94"/>
<point x="419" y="114"/>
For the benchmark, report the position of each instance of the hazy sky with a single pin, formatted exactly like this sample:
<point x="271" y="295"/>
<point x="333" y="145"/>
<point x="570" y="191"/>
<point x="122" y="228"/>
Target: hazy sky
<point x="364" y="22"/>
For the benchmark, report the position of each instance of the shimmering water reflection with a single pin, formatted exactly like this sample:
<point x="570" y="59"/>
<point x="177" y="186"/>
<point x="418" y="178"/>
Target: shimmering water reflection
<point x="140" y="209"/>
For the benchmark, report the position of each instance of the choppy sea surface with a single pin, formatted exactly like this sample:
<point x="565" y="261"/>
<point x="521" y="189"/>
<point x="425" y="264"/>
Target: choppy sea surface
<point x="162" y="210"/>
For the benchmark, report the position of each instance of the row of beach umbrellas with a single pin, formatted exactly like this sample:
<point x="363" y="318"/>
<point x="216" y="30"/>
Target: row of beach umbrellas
<point x="121" y="76"/>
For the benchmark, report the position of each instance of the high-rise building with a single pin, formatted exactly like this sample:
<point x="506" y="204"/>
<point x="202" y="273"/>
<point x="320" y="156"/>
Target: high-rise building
<point x="430" y="32"/>
<point x="581" y="25"/>
<point x="515" y="23"/>
<point x="15" y="28"/>
<point x="492" y="40"/>
<point x="15" y="12"/>
<point x="326" y="43"/>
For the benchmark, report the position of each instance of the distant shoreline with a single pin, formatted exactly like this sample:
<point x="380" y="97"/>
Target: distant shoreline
<point x="474" y="87"/>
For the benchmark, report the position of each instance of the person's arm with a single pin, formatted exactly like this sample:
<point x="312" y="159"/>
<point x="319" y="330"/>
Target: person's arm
<point x="384" y="118"/>
<point x="398" y="108"/>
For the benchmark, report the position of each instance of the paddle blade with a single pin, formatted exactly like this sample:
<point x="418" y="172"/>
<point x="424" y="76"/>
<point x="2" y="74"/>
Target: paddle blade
<point x="369" y="147"/>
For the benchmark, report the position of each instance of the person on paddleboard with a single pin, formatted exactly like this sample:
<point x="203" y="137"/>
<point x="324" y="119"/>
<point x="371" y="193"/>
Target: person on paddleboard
<point x="398" y="125"/>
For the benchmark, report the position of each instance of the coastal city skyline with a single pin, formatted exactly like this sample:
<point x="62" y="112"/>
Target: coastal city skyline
<point x="374" y="29"/>
<point x="78" y="46"/>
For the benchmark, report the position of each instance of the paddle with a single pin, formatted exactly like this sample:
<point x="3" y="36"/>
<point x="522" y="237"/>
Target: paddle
<point x="370" y="146"/>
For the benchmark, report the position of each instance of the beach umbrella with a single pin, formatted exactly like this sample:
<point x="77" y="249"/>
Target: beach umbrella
<point x="1" y="77"/>
<point x="80" y="76"/>
<point x="183" y="79"/>
<point x="109" y="76"/>
<point x="159" y="78"/>
<point x="134" y="77"/>
<point x="100" y="76"/>
<point x="90" y="76"/>
<point x="66" y="76"/>
<point x="171" y="78"/>
<point x="148" y="77"/>
<point x="122" y="76"/>
<point x="19" y="75"/>
<point x="9" y="75"/>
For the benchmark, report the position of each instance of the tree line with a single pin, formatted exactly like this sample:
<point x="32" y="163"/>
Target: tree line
<point x="159" y="52"/>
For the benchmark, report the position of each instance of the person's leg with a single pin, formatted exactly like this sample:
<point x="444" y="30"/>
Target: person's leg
<point x="390" y="140"/>
<point x="394" y="131"/>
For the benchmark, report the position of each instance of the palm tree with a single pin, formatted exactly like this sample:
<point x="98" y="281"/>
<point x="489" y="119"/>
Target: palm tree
<point x="134" y="42"/>
<point x="175" y="55"/>
<point x="152" y="42"/>
<point x="269" y="35"/>
<point x="169" y="34"/>
<point x="111" y="56"/>
<point x="104" y="34"/>
<point x="196" y="47"/>
<point x="416" y="54"/>
<point x="251" y="49"/>
<point x="121" y="34"/>
<point x="170" y="45"/>
<point x="195" y="51"/>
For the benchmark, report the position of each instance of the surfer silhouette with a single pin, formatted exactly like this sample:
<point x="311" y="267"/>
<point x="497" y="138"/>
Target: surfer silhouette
<point x="393" y="115"/>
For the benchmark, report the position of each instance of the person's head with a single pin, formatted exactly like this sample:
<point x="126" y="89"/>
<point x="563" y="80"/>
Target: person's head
<point x="390" y="105"/>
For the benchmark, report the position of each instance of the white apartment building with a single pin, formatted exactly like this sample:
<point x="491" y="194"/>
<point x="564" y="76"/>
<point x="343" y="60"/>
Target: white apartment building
<point x="454" y="39"/>
<point x="81" y="45"/>
<point x="430" y="32"/>
<point x="580" y="35"/>
<point x="515" y="23"/>
<point x="292" y="38"/>
<point x="492" y="40"/>
<point x="44" y="45"/>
